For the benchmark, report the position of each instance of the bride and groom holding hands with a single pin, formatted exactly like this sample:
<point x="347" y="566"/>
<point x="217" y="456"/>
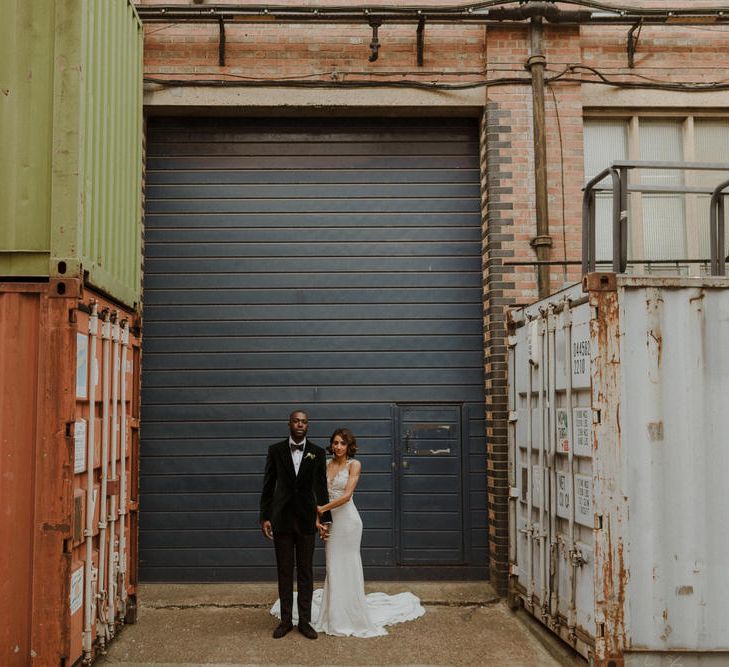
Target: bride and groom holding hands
<point x="303" y="494"/>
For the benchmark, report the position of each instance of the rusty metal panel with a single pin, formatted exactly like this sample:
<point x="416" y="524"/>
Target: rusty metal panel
<point x="70" y="171"/>
<point x="47" y="368"/>
<point x="675" y="348"/>
<point x="617" y="463"/>
<point x="20" y="317"/>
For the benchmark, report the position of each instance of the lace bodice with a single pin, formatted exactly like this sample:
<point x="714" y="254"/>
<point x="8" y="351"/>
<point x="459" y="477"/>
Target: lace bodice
<point x="338" y="483"/>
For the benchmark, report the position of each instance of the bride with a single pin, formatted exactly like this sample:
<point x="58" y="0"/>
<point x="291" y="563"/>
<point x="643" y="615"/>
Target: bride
<point x="342" y="608"/>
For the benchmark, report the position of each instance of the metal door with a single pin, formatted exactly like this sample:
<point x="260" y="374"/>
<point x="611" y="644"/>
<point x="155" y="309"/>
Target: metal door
<point x="430" y="487"/>
<point x="332" y="265"/>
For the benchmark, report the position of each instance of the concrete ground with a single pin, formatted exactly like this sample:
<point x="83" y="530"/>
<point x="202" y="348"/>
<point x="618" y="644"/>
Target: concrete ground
<point x="229" y="624"/>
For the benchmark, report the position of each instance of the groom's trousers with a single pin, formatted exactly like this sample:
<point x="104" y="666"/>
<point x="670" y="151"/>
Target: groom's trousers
<point x="293" y="548"/>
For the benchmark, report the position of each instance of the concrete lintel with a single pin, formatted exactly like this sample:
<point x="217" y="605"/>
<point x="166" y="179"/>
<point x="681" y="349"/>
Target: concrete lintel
<point x="199" y="99"/>
<point x="594" y="96"/>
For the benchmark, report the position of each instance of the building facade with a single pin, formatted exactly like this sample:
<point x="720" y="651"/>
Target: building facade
<point x="341" y="206"/>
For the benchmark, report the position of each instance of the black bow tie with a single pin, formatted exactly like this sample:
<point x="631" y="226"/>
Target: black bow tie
<point x="295" y="447"/>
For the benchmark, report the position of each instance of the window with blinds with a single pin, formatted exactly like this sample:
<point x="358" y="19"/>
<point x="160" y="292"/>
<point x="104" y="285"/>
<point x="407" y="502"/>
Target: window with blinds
<point x="663" y="226"/>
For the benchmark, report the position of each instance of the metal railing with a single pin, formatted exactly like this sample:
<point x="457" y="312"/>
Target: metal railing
<point x="618" y="173"/>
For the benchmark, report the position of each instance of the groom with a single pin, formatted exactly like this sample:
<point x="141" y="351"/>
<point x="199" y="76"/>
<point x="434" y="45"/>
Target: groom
<point x="294" y="483"/>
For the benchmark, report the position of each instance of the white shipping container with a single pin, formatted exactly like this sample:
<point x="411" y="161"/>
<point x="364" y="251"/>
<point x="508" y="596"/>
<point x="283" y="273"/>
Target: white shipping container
<point x="619" y="461"/>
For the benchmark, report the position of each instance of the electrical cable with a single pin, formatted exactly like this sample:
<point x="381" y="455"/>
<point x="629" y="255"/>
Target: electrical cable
<point x="602" y="79"/>
<point x="561" y="166"/>
<point x="657" y="85"/>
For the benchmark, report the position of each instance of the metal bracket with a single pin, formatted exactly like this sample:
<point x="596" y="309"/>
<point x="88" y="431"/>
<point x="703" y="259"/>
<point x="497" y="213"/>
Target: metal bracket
<point x="632" y="45"/>
<point x="421" y="40"/>
<point x="543" y="240"/>
<point x="375" y="43"/>
<point x="599" y="282"/>
<point x="221" y="42"/>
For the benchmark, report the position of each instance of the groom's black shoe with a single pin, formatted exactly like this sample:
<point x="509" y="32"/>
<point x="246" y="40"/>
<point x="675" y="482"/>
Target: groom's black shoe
<point x="306" y="630"/>
<point x="282" y="630"/>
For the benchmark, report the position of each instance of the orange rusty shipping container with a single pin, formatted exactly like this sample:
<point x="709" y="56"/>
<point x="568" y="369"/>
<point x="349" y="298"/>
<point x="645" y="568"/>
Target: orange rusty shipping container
<point x="69" y="453"/>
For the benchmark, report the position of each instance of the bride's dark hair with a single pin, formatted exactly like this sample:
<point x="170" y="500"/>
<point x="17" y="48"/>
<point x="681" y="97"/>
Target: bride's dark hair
<point x="348" y="437"/>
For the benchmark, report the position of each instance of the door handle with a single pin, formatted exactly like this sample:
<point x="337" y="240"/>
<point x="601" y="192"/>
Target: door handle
<point x="405" y="464"/>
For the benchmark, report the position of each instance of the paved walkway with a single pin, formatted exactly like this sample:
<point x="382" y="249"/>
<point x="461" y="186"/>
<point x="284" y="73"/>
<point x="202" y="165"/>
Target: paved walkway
<point x="220" y="624"/>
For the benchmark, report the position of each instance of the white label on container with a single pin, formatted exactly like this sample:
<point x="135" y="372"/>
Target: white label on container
<point x="82" y="365"/>
<point x="583" y="431"/>
<point x="563" y="430"/>
<point x="564" y="494"/>
<point x="583" y="500"/>
<point x="77" y="590"/>
<point x="79" y="446"/>
<point x="580" y="357"/>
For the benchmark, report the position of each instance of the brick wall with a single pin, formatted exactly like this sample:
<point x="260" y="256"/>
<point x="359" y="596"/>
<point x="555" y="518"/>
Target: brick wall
<point x="470" y="53"/>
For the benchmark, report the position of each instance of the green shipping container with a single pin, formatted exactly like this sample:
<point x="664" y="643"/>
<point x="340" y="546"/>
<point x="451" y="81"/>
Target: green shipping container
<point x="71" y="143"/>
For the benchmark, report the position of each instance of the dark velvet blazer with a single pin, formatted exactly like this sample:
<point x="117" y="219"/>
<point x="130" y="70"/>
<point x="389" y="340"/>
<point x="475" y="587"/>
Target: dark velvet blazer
<point x="289" y="500"/>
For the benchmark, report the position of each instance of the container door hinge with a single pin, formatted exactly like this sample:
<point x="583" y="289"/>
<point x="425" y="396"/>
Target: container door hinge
<point x="513" y="416"/>
<point x="514" y="492"/>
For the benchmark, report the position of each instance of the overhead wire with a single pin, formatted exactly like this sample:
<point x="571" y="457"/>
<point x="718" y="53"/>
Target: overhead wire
<point x="562" y="76"/>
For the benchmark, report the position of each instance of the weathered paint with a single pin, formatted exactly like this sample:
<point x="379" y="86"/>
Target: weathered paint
<point x="39" y="491"/>
<point x="71" y="131"/>
<point x="650" y="581"/>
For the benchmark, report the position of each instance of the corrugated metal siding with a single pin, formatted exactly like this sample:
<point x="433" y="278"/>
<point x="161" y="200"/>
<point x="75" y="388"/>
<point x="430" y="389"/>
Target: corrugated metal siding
<point x="334" y="266"/>
<point x="70" y="170"/>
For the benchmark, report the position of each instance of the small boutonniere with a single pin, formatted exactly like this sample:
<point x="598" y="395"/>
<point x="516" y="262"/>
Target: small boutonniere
<point x="310" y="455"/>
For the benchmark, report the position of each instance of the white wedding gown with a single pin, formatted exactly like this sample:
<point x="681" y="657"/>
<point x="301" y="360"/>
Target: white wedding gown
<point x="341" y="608"/>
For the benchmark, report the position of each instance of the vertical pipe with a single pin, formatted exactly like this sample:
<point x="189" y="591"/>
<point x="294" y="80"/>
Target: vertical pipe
<point x="123" y="472"/>
<point x="101" y="609"/>
<point x="542" y="241"/>
<point x="89" y="530"/>
<point x="113" y="542"/>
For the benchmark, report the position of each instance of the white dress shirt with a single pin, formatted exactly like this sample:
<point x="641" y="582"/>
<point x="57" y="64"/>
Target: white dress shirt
<point x="296" y="455"/>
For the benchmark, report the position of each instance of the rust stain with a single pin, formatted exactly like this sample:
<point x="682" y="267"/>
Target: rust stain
<point x="56" y="528"/>
<point x="657" y="336"/>
<point x="655" y="431"/>
<point x="685" y="590"/>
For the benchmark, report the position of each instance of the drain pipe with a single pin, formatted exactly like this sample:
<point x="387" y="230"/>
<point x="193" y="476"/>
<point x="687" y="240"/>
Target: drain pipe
<point x="542" y="242"/>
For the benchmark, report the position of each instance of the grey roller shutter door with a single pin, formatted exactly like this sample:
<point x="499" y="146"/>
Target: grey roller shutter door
<point x="328" y="265"/>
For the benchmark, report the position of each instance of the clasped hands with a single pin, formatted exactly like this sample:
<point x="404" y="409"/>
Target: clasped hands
<point x="323" y="528"/>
